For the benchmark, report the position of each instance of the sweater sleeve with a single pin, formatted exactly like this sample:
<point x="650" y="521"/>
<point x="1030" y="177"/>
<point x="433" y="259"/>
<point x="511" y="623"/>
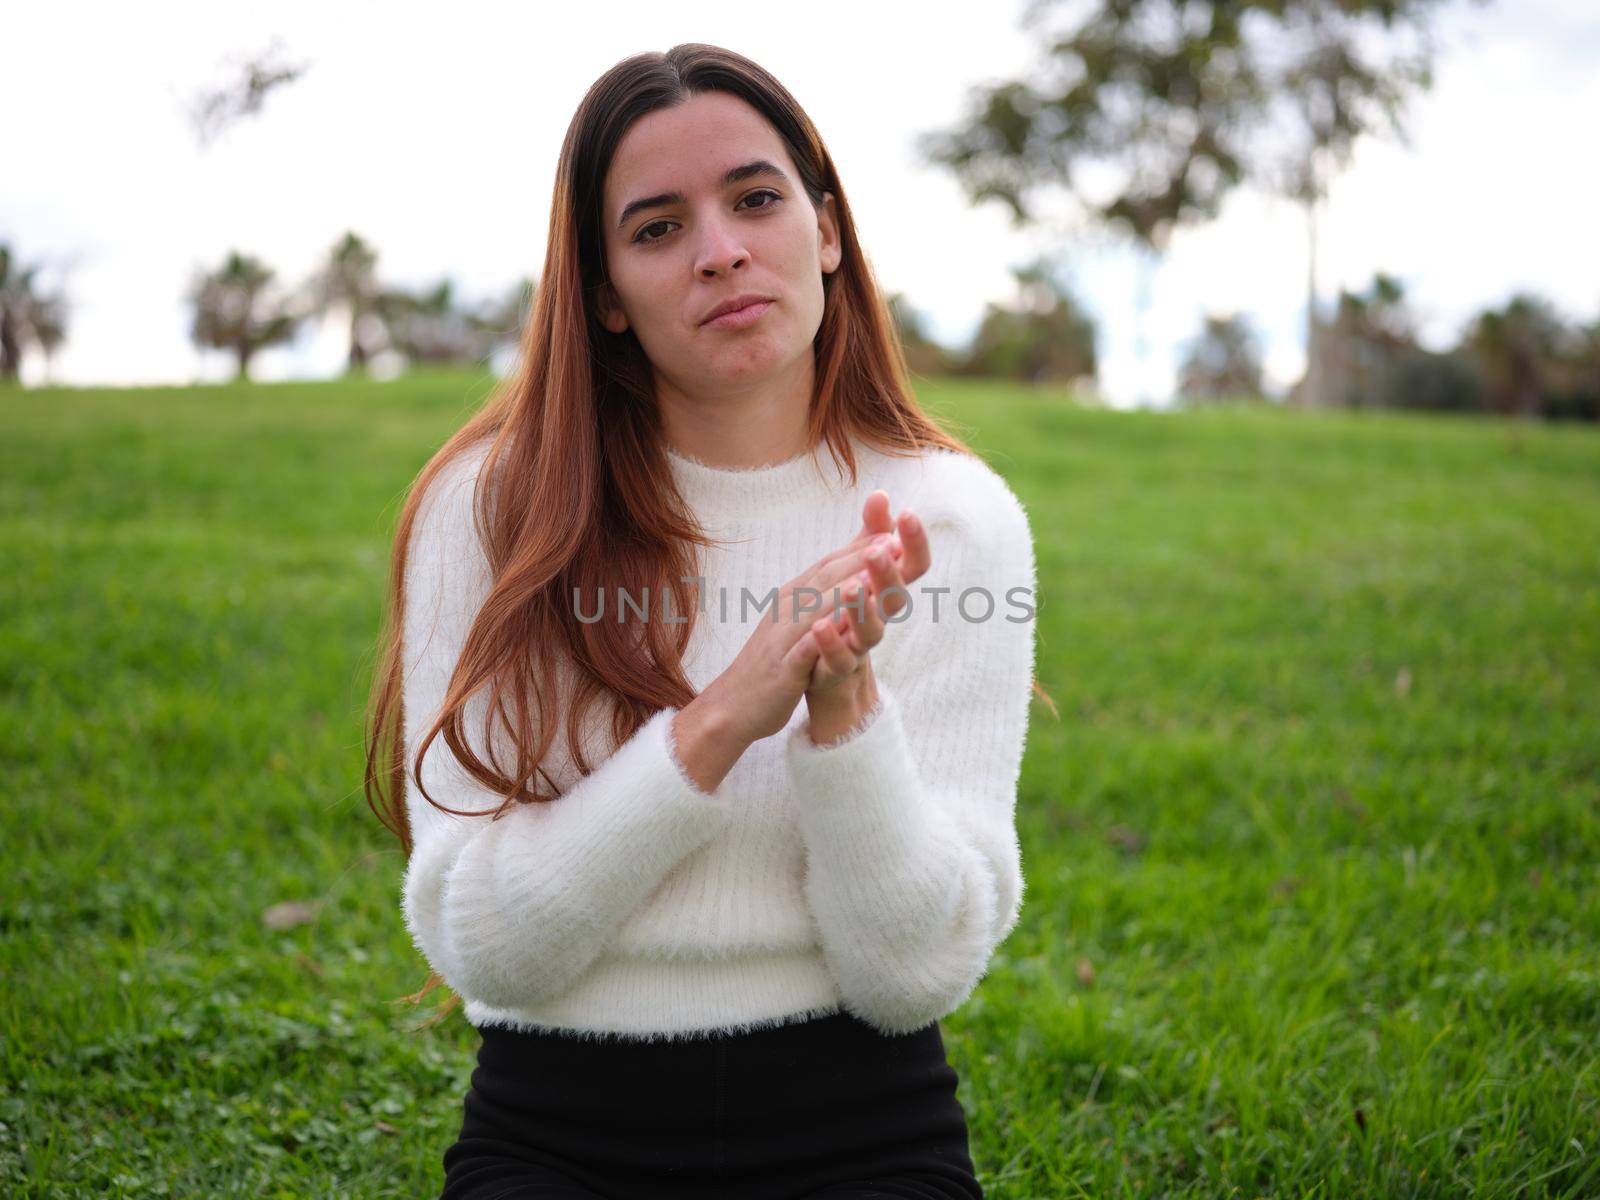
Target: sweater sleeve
<point x="514" y="910"/>
<point x="914" y="870"/>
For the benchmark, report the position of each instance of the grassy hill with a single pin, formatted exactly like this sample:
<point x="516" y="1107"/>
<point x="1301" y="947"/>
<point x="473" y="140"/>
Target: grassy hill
<point x="1310" y="839"/>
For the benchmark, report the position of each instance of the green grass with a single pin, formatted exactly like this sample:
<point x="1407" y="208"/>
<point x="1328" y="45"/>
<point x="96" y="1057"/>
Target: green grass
<point x="1310" y="851"/>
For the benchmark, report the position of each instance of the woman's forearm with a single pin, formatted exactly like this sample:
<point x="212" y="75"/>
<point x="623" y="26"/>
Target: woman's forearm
<point x="707" y="741"/>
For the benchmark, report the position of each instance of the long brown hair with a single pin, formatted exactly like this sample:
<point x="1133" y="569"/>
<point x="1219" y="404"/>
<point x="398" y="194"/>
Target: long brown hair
<point x="575" y="491"/>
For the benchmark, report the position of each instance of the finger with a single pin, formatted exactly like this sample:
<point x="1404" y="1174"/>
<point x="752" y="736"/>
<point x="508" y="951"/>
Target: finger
<point x="836" y="570"/>
<point x="838" y="657"/>
<point x="868" y="629"/>
<point x="875" y="514"/>
<point x="859" y="624"/>
<point x="886" y="578"/>
<point x="876" y="521"/>
<point x="916" y="554"/>
<point x="801" y="658"/>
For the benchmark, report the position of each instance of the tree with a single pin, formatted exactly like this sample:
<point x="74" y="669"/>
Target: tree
<point x="251" y="78"/>
<point x="1150" y="111"/>
<point x="429" y="327"/>
<point x="237" y="309"/>
<point x="1577" y="376"/>
<point x="348" y="280"/>
<point x="1518" y="348"/>
<point x="1347" y="73"/>
<point x="432" y="326"/>
<point x="503" y="319"/>
<point x="1359" y="349"/>
<point x="1371" y="357"/>
<point x="1422" y="379"/>
<point x="1152" y="95"/>
<point x="1223" y="363"/>
<point x="29" y="316"/>
<point x="1044" y="336"/>
<point x="46" y="315"/>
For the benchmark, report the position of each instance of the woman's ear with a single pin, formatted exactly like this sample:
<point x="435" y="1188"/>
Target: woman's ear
<point x="611" y="314"/>
<point x="828" y="249"/>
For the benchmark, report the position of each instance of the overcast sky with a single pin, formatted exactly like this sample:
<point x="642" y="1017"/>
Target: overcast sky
<point x="432" y="131"/>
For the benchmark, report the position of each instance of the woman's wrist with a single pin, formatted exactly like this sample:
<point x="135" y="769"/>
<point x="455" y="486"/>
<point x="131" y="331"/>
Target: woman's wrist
<point x="840" y="709"/>
<point x="708" y="742"/>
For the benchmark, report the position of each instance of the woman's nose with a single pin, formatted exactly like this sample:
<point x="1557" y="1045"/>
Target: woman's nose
<point x="721" y="249"/>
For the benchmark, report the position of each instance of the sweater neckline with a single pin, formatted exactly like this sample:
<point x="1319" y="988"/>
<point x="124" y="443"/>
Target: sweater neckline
<point x="733" y="492"/>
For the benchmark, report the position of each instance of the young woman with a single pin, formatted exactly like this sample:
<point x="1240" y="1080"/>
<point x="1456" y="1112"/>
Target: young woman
<point x="705" y="763"/>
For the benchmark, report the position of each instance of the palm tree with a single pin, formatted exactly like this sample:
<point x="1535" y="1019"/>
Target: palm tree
<point x="429" y="326"/>
<point x="47" y="317"/>
<point x="236" y="309"/>
<point x="1360" y="349"/>
<point x="1516" y="347"/>
<point x="27" y="315"/>
<point x="434" y="327"/>
<point x="349" y="279"/>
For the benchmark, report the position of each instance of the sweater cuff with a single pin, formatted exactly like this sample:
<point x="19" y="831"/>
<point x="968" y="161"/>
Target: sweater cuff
<point x="864" y="783"/>
<point x="717" y="798"/>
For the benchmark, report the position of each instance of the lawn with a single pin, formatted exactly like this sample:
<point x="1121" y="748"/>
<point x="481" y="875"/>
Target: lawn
<point x="1310" y="841"/>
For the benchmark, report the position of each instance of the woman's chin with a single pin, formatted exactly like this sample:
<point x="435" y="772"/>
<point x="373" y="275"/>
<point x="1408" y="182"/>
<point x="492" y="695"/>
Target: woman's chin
<point x="746" y="363"/>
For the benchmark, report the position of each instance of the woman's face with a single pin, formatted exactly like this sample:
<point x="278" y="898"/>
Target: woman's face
<point x="702" y="239"/>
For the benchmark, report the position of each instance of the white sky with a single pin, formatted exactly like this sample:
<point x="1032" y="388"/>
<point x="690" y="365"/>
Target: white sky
<point x="432" y="131"/>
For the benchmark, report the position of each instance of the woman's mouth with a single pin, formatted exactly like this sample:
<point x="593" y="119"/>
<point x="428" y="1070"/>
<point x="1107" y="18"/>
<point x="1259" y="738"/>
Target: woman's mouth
<point x="740" y="318"/>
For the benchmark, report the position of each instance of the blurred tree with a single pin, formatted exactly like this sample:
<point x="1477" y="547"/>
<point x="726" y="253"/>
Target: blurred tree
<point x="47" y="317"/>
<point x="1152" y="95"/>
<point x="1223" y="363"/>
<point x="250" y="78"/>
<point x="1518" y="348"/>
<point x="1359" y="348"/>
<point x="1419" y="378"/>
<point x="924" y="356"/>
<point x="1045" y="336"/>
<point x="236" y="309"/>
<point x="1577" y="377"/>
<point x="348" y="280"/>
<point x="28" y="315"/>
<point x="1149" y="112"/>
<point x="1371" y="357"/>
<point x="431" y="326"/>
<point x="1345" y="71"/>
<point x="501" y="320"/>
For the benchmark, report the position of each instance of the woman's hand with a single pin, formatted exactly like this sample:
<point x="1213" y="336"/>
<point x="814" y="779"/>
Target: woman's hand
<point x="842" y="688"/>
<point x="756" y="695"/>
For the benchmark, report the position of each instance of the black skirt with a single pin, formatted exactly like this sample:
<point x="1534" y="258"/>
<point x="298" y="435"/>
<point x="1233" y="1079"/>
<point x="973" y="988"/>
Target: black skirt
<point x="821" y="1109"/>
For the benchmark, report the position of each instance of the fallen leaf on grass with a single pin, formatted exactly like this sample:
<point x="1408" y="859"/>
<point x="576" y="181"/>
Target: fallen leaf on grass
<point x="288" y="914"/>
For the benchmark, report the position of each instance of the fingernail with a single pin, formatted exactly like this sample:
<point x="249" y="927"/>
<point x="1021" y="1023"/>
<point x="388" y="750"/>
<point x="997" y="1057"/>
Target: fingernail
<point x="912" y="523"/>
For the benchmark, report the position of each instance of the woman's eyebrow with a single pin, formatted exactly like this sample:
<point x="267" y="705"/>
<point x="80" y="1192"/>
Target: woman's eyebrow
<point x="749" y="170"/>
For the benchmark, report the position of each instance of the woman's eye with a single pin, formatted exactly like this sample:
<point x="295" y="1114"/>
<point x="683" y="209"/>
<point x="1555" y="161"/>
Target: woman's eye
<point x="764" y="192"/>
<point x="772" y="197"/>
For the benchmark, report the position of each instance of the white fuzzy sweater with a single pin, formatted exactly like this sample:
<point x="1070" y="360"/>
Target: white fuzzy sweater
<point x="877" y="874"/>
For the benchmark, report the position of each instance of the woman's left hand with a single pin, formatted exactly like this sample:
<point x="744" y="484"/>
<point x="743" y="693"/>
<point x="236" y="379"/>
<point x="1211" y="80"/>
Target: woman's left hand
<point x="845" y="641"/>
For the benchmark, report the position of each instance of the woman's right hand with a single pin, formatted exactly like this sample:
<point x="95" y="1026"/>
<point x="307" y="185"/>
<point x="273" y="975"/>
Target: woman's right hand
<point x="758" y="692"/>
